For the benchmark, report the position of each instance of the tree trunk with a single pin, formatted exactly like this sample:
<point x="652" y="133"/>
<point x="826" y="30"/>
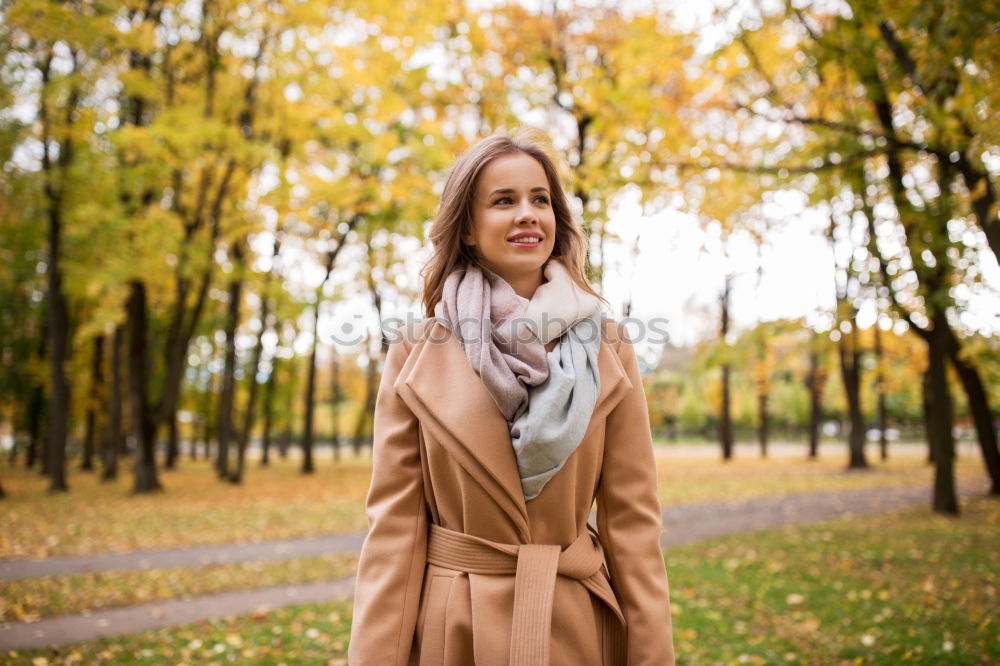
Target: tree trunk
<point x="309" y="404"/>
<point x="307" y="425"/>
<point x="173" y="443"/>
<point x="143" y="420"/>
<point x="114" y="440"/>
<point x="265" y="444"/>
<point x="285" y="442"/>
<point x="883" y="422"/>
<point x="58" y="320"/>
<point x="725" y="419"/>
<point x="851" y="376"/>
<point x="35" y="415"/>
<point x="928" y="415"/>
<point x="226" y="398"/>
<point x="96" y="390"/>
<point x="813" y="382"/>
<point x="367" y="410"/>
<point x="206" y="408"/>
<point x="335" y="402"/>
<point x="248" y="415"/>
<point x="36" y="418"/>
<point x="980" y="408"/>
<point x="371" y="384"/>
<point x="762" y="426"/>
<point x="58" y="350"/>
<point x="941" y="439"/>
<point x="206" y="432"/>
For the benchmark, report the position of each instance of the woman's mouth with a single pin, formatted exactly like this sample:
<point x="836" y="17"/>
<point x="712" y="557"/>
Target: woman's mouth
<point x="526" y="241"/>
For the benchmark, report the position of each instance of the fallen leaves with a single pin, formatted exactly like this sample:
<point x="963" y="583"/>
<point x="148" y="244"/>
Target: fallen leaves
<point x="197" y="509"/>
<point x="688" y="479"/>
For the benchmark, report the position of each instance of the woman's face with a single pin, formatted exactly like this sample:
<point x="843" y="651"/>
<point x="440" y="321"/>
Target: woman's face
<point x="514" y="226"/>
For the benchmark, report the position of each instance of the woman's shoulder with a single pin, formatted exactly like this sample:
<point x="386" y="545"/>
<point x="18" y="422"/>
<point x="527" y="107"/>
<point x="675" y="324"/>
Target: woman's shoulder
<point x="410" y="333"/>
<point x="614" y="332"/>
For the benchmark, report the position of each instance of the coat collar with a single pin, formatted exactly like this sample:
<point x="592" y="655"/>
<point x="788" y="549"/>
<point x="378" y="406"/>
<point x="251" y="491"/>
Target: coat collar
<point x="454" y="406"/>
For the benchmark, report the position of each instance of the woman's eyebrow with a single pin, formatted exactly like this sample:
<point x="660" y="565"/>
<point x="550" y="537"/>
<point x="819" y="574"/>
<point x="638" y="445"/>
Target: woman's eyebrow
<point x="508" y="190"/>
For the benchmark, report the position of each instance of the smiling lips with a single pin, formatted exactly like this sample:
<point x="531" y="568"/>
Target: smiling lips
<point x="525" y="240"/>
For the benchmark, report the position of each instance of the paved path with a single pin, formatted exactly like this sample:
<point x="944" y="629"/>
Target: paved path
<point x="167" y="613"/>
<point x="683" y="524"/>
<point x="689" y="523"/>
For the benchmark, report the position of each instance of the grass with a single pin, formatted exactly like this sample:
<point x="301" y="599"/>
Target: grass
<point x="30" y="599"/>
<point x="279" y="502"/>
<point x="313" y="634"/>
<point x="906" y="587"/>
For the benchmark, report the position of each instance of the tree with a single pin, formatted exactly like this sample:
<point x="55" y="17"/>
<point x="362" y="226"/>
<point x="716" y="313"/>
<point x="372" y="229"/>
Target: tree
<point x="254" y="366"/>
<point x="725" y="417"/>
<point x="143" y="425"/>
<point x="854" y="99"/>
<point x="815" y="379"/>
<point x="94" y="402"/>
<point x="227" y="396"/>
<point x="114" y="441"/>
<point x="849" y="289"/>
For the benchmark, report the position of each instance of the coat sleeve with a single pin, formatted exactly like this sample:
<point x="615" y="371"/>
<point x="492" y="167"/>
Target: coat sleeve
<point x="391" y="565"/>
<point x="629" y="522"/>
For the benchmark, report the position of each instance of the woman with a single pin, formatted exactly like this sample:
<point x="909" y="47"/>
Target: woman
<point x="499" y="420"/>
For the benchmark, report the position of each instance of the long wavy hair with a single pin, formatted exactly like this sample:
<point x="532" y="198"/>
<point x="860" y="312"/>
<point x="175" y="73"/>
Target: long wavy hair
<point x="453" y="221"/>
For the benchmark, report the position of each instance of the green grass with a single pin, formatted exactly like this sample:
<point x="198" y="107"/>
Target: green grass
<point x="313" y="634"/>
<point x="900" y="588"/>
<point x="906" y="587"/>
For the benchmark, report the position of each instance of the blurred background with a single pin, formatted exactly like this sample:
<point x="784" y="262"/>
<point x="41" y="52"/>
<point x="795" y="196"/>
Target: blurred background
<point x="209" y="211"/>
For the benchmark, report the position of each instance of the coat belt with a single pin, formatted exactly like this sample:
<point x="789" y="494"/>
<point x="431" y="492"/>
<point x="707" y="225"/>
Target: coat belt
<point x="535" y="567"/>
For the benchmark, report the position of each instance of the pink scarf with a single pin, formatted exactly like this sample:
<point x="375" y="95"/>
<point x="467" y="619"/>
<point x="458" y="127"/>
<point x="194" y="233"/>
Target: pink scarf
<point x="503" y="334"/>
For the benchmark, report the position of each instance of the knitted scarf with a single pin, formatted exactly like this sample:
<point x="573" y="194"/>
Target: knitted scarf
<point x="546" y="397"/>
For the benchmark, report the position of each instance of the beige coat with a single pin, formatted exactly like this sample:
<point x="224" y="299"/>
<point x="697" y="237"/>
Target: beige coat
<point x="442" y="457"/>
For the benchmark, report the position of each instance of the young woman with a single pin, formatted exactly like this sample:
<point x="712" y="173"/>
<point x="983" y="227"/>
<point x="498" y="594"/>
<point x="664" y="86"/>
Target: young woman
<point x="500" y="418"/>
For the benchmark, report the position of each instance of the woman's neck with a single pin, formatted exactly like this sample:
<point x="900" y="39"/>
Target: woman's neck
<point x="526" y="285"/>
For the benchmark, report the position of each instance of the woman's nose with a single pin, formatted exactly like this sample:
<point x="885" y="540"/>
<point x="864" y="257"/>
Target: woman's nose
<point x="525" y="213"/>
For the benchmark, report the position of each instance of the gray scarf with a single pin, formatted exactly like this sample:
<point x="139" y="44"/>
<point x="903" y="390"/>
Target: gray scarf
<point x="559" y="409"/>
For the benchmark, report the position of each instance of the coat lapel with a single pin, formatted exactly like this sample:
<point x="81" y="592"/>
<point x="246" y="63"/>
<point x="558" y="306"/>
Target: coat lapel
<point x="454" y="406"/>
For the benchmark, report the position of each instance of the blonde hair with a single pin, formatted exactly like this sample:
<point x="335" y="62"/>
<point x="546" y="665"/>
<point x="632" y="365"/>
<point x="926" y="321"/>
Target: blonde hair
<point x="453" y="221"/>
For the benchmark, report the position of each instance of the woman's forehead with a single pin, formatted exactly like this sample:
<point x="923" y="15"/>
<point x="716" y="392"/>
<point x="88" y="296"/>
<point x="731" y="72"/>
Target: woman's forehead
<point x="514" y="171"/>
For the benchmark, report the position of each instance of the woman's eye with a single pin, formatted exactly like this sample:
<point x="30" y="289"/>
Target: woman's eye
<point x="507" y="201"/>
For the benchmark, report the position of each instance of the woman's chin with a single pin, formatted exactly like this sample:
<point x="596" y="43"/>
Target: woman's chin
<point x="524" y="263"/>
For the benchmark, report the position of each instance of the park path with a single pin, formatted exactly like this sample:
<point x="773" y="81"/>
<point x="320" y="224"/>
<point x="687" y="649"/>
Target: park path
<point x="683" y="524"/>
